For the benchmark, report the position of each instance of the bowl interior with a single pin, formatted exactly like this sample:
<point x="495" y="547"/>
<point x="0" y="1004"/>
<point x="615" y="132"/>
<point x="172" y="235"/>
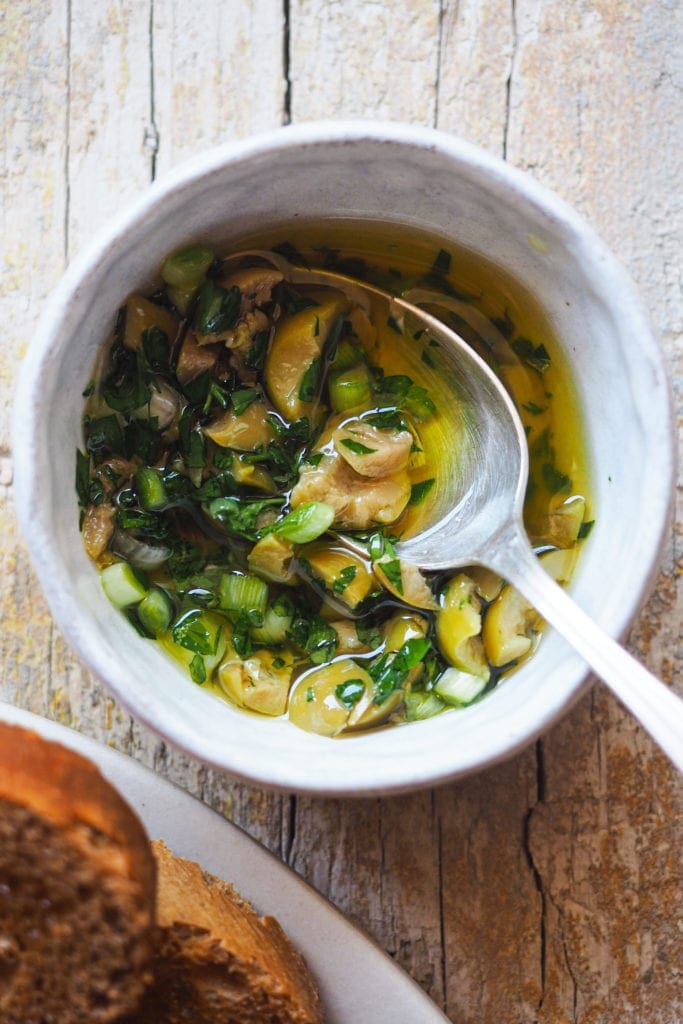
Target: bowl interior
<point x="400" y="176"/>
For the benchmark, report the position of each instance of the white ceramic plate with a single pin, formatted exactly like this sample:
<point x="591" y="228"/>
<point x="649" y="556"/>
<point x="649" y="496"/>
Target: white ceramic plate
<point x="359" y="984"/>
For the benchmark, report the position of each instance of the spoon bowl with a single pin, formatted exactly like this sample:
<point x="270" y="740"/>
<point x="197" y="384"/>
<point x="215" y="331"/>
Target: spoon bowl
<point x="479" y="518"/>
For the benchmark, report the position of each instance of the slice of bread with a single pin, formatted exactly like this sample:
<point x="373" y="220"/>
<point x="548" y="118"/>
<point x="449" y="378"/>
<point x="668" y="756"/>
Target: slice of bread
<point x="217" y="961"/>
<point x="77" y="889"/>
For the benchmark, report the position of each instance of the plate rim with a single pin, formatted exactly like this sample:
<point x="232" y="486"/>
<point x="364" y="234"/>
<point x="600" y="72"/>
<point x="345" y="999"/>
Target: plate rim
<point x="340" y="1001"/>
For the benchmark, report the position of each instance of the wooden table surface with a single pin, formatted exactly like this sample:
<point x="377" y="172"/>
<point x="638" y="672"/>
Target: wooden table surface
<point x="549" y="888"/>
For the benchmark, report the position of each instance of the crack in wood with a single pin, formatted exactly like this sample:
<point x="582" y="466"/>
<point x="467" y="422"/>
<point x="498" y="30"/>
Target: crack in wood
<point x="152" y="139"/>
<point x="286" y="62"/>
<point x="508" y="83"/>
<point x="67" y="135"/>
<point x="533" y="867"/>
<point x="442" y="923"/>
<point x="439" y="46"/>
<point x="289" y="831"/>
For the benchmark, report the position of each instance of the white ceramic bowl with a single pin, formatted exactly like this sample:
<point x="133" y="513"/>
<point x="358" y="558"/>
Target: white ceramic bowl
<point x="390" y="173"/>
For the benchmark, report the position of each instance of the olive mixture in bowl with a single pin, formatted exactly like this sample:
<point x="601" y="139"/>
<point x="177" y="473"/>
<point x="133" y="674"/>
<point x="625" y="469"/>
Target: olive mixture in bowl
<point x="253" y="450"/>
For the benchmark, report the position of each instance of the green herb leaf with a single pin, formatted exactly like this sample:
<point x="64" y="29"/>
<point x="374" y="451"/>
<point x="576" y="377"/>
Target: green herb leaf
<point x="293" y="302"/>
<point x="192" y="632"/>
<point x="242" y="399"/>
<point x="428" y="359"/>
<point x="419" y="491"/>
<point x="368" y="634"/>
<point x="504" y="325"/>
<point x="309" y="381"/>
<point x="350" y="692"/>
<point x="585" y="529"/>
<point x="315" y="636"/>
<point x="291" y="253"/>
<point x="535" y="355"/>
<point x="356" y="447"/>
<point x="392" y="571"/>
<point x="256" y="356"/>
<point x="344" y="579"/>
<point x="82" y="478"/>
<point x="217" y="308"/>
<point x="142" y="439"/>
<point x="534" y="409"/>
<point x="190" y="441"/>
<point x="442" y="263"/>
<point x="239" y="516"/>
<point x="104" y="435"/>
<point x="185" y="562"/>
<point x="555" y="481"/>
<point x="310" y="696"/>
<point x="215" y="393"/>
<point x="391" y="670"/>
<point x="125" y="389"/>
<point x="156" y="349"/>
<point x="387" y="419"/>
<point x="198" y="670"/>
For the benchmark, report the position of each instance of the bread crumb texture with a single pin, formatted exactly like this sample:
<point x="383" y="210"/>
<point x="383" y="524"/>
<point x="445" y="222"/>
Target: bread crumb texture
<point x="76" y="889"/>
<point x="217" y="961"/>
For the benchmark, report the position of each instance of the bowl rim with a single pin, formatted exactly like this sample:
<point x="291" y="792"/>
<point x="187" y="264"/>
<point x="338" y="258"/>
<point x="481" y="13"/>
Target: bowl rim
<point x="388" y="777"/>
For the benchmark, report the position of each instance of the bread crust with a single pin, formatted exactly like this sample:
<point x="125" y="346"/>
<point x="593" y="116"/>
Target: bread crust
<point x="77" y="889"/>
<point x="217" y="960"/>
<point x="66" y="789"/>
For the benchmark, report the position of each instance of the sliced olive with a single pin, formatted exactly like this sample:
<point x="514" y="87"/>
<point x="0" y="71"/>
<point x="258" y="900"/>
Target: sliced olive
<point x="141" y="315"/>
<point x="271" y="557"/>
<point x="404" y="581"/>
<point x="293" y="360"/>
<point x="343" y="574"/>
<point x="323" y="699"/>
<point x="458" y="627"/>
<point x="246" y="432"/>
<point x="260" y="682"/>
<point x="511" y="622"/>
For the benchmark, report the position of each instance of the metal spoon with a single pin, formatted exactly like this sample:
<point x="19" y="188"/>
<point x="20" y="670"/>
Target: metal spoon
<point x="480" y="519"/>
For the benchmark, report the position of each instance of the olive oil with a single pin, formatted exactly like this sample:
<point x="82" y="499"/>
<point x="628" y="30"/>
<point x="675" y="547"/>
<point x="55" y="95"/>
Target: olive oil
<point x="497" y="315"/>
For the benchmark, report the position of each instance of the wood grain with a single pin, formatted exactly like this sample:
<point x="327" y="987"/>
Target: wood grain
<point x="549" y="888"/>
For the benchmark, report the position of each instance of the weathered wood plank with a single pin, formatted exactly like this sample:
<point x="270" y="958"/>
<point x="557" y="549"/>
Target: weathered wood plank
<point x="364" y="59"/>
<point x="549" y="888"/>
<point x="475" y="64"/>
<point x="593" y="99"/>
<point x="218" y="73"/>
<point x="33" y="82"/>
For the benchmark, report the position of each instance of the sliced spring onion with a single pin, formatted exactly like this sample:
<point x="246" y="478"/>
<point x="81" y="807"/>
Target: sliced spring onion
<point x="349" y="388"/>
<point x="122" y="584"/>
<point x="275" y="625"/>
<point x="306" y="522"/>
<point x="187" y="267"/>
<point x="150" y="487"/>
<point x="459" y="688"/>
<point x="242" y="593"/>
<point x="155" y="611"/>
<point x="347" y="355"/>
<point x="420" y="706"/>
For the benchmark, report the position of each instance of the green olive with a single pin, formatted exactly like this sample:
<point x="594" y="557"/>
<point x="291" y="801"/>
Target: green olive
<point x="315" y="704"/>
<point x="458" y="627"/>
<point x="260" y="682"/>
<point x="246" y="433"/>
<point x="343" y="574"/>
<point x="295" y="351"/>
<point x="510" y="620"/>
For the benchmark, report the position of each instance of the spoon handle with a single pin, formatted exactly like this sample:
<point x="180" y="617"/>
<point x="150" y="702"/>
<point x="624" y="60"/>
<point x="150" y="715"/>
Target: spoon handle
<point x="657" y="707"/>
